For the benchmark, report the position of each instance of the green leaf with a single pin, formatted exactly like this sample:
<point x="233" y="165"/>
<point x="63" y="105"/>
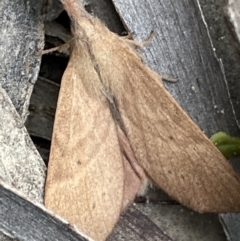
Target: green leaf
<point x="227" y="145"/>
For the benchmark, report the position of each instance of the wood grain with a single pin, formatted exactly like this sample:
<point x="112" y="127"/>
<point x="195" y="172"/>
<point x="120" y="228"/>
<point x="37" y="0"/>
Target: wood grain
<point x="22" y="37"/>
<point x="21" y="164"/>
<point x="24" y="220"/>
<point x="181" y="48"/>
<point x="234" y="16"/>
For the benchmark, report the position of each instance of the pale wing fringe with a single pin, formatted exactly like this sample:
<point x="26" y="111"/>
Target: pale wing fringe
<point x="85" y="178"/>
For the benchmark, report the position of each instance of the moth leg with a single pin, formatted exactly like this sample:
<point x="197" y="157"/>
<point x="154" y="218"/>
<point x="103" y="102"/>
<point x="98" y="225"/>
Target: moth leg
<point x="168" y="79"/>
<point x="136" y="44"/>
<point x="129" y="36"/>
<point x="63" y="48"/>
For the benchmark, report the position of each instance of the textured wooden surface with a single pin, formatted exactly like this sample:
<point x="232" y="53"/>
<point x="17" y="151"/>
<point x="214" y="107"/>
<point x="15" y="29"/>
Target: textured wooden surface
<point x="222" y="18"/>
<point x="42" y="108"/>
<point x="182" y="48"/>
<point x="20" y="164"/>
<point x="231" y="224"/>
<point x="25" y="220"/>
<point x="225" y="45"/>
<point x="134" y="226"/>
<point x="234" y="16"/>
<point x="22" y="36"/>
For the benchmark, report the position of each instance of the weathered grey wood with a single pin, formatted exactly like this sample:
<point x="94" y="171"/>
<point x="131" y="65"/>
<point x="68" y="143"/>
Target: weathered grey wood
<point x="231" y="224"/>
<point x="52" y="9"/>
<point x="182" y="224"/>
<point x="105" y="11"/>
<point x="227" y="49"/>
<point x="20" y="164"/>
<point x="225" y="45"/>
<point x="42" y="108"/>
<point x="182" y="48"/>
<point x="54" y="29"/>
<point x="25" y="220"/>
<point x="234" y="16"/>
<point x="134" y="226"/>
<point x="21" y="37"/>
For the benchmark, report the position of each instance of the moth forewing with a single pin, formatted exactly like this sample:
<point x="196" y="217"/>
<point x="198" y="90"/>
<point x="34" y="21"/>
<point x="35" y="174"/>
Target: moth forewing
<point x="173" y="151"/>
<point x="85" y="178"/>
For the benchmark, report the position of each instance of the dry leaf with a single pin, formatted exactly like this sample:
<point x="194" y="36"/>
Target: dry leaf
<point x="116" y="123"/>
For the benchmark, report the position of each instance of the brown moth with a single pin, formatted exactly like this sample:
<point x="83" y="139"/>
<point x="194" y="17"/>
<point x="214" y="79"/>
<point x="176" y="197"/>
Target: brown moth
<point x="115" y="124"/>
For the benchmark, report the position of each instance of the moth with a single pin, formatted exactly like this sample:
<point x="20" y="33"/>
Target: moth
<point x="117" y="126"/>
